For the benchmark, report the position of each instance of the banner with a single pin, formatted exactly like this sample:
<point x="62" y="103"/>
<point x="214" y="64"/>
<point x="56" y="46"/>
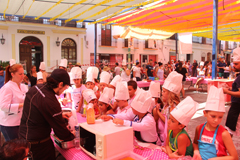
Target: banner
<point x="185" y="43"/>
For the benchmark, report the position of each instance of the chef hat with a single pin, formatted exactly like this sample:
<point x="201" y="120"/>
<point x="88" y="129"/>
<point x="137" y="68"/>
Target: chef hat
<point x="173" y="82"/>
<point x="116" y="79"/>
<point x="39" y="75"/>
<point x="71" y="77"/>
<point x="215" y="100"/>
<point x="76" y="73"/>
<point x="105" y="77"/>
<point x="90" y="79"/>
<point x="12" y="62"/>
<point x="63" y="63"/>
<point x="121" y="92"/>
<point x="142" y="102"/>
<point x="107" y="95"/>
<point x="184" y="111"/>
<point x="89" y="95"/>
<point x="154" y="89"/>
<point x="236" y="55"/>
<point x="92" y="73"/>
<point x="124" y="62"/>
<point x="201" y="63"/>
<point x="42" y="66"/>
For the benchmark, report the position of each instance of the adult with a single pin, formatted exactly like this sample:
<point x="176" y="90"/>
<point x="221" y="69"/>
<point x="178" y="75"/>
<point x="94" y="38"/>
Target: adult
<point x="221" y="65"/>
<point x="227" y="70"/>
<point x="149" y="68"/>
<point x="189" y="68"/>
<point x="2" y="76"/>
<point x="233" y="120"/>
<point x="12" y="96"/>
<point x="42" y="113"/>
<point x="17" y="149"/>
<point x="194" y="68"/>
<point x="32" y="76"/>
<point x="125" y="73"/>
<point x="70" y="65"/>
<point x="137" y="72"/>
<point x="183" y="71"/>
<point x="42" y="69"/>
<point x="167" y="70"/>
<point x="200" y="74"/>
<point x="99" y="69"/>
<point x="159" y="71"/>
<point x="117" y="69"/>
<point x="210" y="68"/>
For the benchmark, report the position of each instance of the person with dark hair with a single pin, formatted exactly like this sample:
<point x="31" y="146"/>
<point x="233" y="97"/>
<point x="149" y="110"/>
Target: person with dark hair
<point x="17" y="149"/>
<point x="137" y="72"/>
<point x="42" y="113"/>
<point x="149" y="68"/>
<point x="182" y="71"/>
<point x="12" y="96"/>
<point x="117" y="69"/>
<point x="160" y="71"/>
<point x="2" y="76"/>
<point x="132" y="88"/>
<point x="31" y="76"/>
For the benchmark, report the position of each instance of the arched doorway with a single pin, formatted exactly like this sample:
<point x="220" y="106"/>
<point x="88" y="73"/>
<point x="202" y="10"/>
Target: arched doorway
<point x="31" y="52"/>
<point x="69" y="50"/>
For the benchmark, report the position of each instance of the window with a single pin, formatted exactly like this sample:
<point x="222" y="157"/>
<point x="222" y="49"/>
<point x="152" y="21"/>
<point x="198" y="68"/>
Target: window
<point x="2" y="18"/>
<point x="69" y="50"/>
<point x="46" y="21"/>
<point x="58" y="22"/>
<point x="106" y="35"/>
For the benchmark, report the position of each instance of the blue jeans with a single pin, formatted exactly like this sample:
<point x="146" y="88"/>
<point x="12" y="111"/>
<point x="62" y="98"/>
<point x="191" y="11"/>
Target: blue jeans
<point x="9" y="133"/>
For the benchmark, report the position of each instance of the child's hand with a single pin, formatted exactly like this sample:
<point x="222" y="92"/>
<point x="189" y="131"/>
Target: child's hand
<point x="196" y="155"/>
<point x="118" y="121"/>
<point x="175" y="155"/>
<point x="163" y="148"/>
<point x="105" y="117"/>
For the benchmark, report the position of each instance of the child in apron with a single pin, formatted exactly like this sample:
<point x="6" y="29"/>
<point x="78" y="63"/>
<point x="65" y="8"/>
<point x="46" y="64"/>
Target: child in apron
<point x="113" y="85"/>
<point x="178" y="142"/>
<point x="104" y="102"/>
<point x="121" y="97"/>
<point x="155" y="91"/>
<point x="132" y="88"/>
<point x="170" y="97"/>
<point x="104" y="81"/>
<point x="90" y="97"/>
<point x="211" y="139"/>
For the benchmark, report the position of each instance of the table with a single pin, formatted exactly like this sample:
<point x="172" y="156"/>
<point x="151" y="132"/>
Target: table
<point x="218" y="83"/>
<point x="142" y="84"/>
<point x="194" y="80"/>
<point x="144" y="149"/>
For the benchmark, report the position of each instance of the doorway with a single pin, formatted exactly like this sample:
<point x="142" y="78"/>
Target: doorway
<point x="31" y="52"/>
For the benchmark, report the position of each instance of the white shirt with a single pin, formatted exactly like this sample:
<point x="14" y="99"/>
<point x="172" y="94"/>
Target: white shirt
<point x="124" y="110"/>
<point x="77" y="95"/>
<point x="124" y="76"/>
<point x="137" y="71"/>
<point x="117" y="70"/>
<point x="10" y="98"/>
<point x="147" y="126"/>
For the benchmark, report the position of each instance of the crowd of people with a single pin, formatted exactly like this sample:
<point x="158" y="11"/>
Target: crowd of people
<point x="156" y="115"/>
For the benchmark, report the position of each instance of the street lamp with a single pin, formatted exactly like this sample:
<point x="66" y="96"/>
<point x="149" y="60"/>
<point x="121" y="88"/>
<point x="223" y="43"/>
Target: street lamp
<point x="2" y="40"/>
<point x="57" y="42"/>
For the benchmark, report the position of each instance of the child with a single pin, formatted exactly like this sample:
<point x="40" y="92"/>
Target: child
<point x="121" y="97"/>
<point x="76" y="76"/>
<point x="178" y="142"/>
<point x="90" y="97"/>
<point x="39" y="78"/>
<point x="155" y="90"/>
<point x="104" y="80"/>
<point x="212" y="141"/>
<point x="104" y="101"/>
<point x="113" y="85"/>
<point x="170" y="91"/>
<point x="138" y="117"/>
<point x="132" y="88"/>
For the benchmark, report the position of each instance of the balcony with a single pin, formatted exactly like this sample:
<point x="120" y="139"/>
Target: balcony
<point x="107" y="42"/>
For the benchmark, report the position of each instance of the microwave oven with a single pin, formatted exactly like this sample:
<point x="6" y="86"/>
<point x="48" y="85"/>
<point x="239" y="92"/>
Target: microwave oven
<point x="105" y="140"/>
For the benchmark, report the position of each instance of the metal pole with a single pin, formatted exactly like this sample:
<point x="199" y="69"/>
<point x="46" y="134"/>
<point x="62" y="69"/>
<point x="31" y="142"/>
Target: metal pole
<point x="95" y="42"/>
<point x="129" y="52"/>
<point x="215" y="36"/>
<point x="176" y="37"/>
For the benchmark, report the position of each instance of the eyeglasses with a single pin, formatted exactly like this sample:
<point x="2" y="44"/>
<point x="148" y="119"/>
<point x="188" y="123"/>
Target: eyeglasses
<point x="29" y="155"/>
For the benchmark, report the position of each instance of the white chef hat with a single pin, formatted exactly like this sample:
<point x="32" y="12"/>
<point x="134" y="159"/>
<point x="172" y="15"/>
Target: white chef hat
<point x="116" y="79"/>
<point x="215" y="100"/>
<point x="88" y="95"/>
<point x="201" y="63"/>
<point x="236" y="55"/>
<point x="107" y="95"/>
<point x="154" y="89"/>
<point x="76" y="73"/>
<point x="173" y="82"/>
<point x="124" y="62"/>
<point x="63" y="63"/>
<point x="12" y="62"/>
<point x="121" y="92"/>
<point x="105" y="77"/>
<point x="42" y="66"/>
<point x="71" y="77"/>
<point x="142" y="102"/>
<point x="39" y="75"/>
<point x="184" y="111"/>
<point x="92" y="73"/>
